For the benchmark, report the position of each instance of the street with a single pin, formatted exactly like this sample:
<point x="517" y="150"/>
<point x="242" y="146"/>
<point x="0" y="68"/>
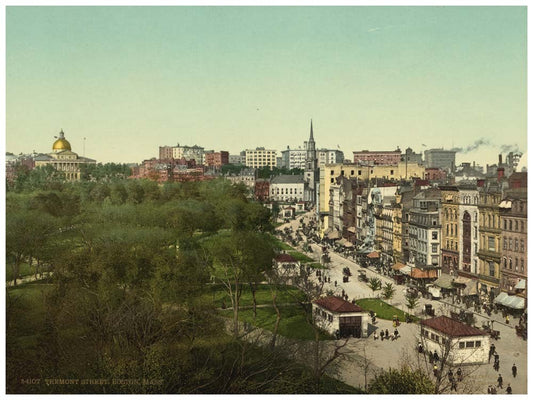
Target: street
<point x="387" y="353"/>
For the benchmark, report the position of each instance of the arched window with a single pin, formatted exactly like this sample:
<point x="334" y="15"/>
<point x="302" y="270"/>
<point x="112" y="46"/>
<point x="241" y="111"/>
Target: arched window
<point x="504" y="263"/>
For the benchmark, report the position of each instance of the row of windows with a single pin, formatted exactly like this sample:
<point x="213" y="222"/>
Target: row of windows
<point x="508" y="223"/>
<point x="286" y="191"/>
<point x="508" y="245"/>
<point x="508" y="264"/>
<point x="324" y="314"/>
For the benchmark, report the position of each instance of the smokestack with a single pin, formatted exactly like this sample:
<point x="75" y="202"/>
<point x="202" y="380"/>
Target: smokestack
<point x="500" y="173"/>
<point x="499" y="159"/>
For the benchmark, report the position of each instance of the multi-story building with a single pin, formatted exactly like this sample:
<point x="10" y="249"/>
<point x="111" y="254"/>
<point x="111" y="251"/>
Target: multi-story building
<point x="468" y="230"/>
<point x="384" y="230"/>
<point x="287" y="188"/>
<point x="329" y="172"/>
<point x="367" y="157"/>
<point x="489" y="252"/>
<point x="435" y="174"/>
<point x="216" y="159"/>
<point x="63" y="159"/>
<point x="260" y="158"/>
<point x="411" y="157"/>
<point x="440" y="158"/>
<point x="513" y="214"/>
<point x="326" y="156"/>
<point x="165" y="152"/>
<point x="404" y="203"/>
<point x="195" y="153"/>
<point x="293" y="158"/>
<point x="262" y="189"/>
<point x="424" y="229"/>
<point x="450" y="228"/>
<point x="236" y="159"/>
<point x="246" y="176"/>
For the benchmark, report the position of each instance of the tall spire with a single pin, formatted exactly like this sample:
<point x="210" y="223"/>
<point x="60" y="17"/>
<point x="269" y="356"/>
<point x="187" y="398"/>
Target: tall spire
<point x="311" y="136"/>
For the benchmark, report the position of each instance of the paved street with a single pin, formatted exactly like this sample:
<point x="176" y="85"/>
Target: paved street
<point x="385" y="354"/>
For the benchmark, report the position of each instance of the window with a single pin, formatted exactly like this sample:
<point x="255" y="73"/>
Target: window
<point x="461" y="345"/>
<point x="359" y="172"/>
<point x="510" y="263"/>
<point x="434" y="248"/>
<point x="505" y="243"/>
<point x="478" y="343"/>
<point x="521" y="226"/>
<point x="332" y="179"/>
<point x="491" y="243"/>
<point x="505" y="224"/>
<point x="331" y="173"/>
<point x="522" y="245"/>
<point x="352" y="172"/>
<point x="516" y="245"/>
<point x="434" y="235"/>
<point x="522" y="265"/>
<point x="504" y="263"/>
<point x="516" y="264"/>
<point x="392" y="172"/>
<point x="491" y="268"/>
<point x="516" y="225"/>
<point x="469" y="344"/>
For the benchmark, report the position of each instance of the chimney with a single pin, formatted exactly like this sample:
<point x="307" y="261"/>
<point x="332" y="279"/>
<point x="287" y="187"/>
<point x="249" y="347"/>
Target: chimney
<point x="500" y="173"/>
<point x="499" y="159"/>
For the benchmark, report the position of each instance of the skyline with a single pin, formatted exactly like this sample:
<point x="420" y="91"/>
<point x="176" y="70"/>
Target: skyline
<point x="232" y="78"/>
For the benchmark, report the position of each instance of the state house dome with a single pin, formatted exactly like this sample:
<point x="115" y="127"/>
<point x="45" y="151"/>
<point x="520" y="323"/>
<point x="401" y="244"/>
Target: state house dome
<point x="61" y="143"/>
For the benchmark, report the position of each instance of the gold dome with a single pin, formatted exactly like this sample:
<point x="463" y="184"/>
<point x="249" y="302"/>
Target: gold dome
<point x="61" y="143"/>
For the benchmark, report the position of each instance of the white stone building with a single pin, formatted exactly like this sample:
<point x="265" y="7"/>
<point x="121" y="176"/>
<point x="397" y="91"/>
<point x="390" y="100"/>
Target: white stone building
<point x="195" y="153"/>
<point x="337" y="316"/>
<point x="458" y="343"/>
<point x="289" y="188"/>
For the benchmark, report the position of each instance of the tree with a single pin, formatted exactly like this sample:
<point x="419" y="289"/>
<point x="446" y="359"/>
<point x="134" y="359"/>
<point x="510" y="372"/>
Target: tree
<point x="411" y="301"/>
<point x="239" y="257"/>
<point x="402" y="381"/>
<point x="374" y="284"/>
<point x="388" y="291"/>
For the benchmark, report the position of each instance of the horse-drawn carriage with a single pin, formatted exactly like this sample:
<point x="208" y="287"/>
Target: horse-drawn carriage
<point x="362" y="276"/>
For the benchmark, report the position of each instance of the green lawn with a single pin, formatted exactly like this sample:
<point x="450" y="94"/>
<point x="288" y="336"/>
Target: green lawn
<point x="281" y="245"/>
<point x="300" y="256"/>
<point x="382" y="309"/>
<point x="25" y="269"/>
<point x="317" y="266"/>
<point x="263" y="295"/>
<point x="292" y="325"/>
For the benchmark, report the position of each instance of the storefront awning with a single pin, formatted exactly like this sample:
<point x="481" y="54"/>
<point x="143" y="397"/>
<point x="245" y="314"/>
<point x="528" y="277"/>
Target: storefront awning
<point x="373" y="254"/>
<point x="501" y="297"/>
<point x="470" y="288"/>
<point x="521" y="284"/>
<point x="406" y="270"/>
<point x="334" y="235"/>
<point x="515" y="302"/>
<point x="444" y="281"/>
<point x="398" y="266"/>
<point x="462" y="280"/>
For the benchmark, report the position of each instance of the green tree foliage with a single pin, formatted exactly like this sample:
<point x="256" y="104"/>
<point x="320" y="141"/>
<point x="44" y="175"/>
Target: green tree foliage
<point x="388" y="291"/>
<point x="374" y="284"/>
<point x="411" y="300"/>
<point x="401" y="381"/>
<point x="105" y="172"/>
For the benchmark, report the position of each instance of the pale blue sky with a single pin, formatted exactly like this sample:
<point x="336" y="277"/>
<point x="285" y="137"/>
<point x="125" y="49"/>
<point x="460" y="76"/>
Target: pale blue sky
<point x="228" y="78"/>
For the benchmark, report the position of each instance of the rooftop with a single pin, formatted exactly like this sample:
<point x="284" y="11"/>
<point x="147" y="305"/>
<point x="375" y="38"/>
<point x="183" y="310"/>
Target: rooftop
<point x="288" y="179"/>
<point x="336" y="304"/>
<point x="451" y="327"/>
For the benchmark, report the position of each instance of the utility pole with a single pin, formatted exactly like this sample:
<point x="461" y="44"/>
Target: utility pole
<point x="84" y="146"/>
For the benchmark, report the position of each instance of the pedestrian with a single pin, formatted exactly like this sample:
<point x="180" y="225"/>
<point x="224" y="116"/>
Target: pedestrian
<point x="497" y="365"/>
<point x="382" y="334"/>
<point x="509" y="390"/>
<point x="514" y="370"/>
<point x="387" y="334"/>
<point x="450" y="375"/>
<point x="492" y="350"/>
<point x="507" y="319"/>
<point x="431" y="357"/>
<point x="494" y="390"/>
<point x="375" y="335"/>
<point x="459" y="374"/>
<point x="500" y="381"/>
<point x="435" y="370"/>
<point x="454" y="385"/>
<point x="435" y="356"/>
<point x="420" y="347"/>
<point x="336" y="286"/>
<point x="489" y="389"/>
<point x="496" y="357"/>
<point x="395" y="333"/>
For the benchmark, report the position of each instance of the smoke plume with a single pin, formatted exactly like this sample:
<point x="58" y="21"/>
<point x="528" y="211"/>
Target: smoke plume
<point x="477" y="144"/>
<point x="506" y="148"/>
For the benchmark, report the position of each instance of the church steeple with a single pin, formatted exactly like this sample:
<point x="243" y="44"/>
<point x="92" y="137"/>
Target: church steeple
<point x="311" y="139"/>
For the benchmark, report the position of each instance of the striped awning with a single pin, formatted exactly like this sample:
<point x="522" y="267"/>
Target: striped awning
<point x="398" y="266"/>
<point x="521" y="284"/>
<point x="374" y="254"/>
<point x="500" y="298"/>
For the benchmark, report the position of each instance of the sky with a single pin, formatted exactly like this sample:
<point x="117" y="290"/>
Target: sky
<point x="122" y="81"/>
